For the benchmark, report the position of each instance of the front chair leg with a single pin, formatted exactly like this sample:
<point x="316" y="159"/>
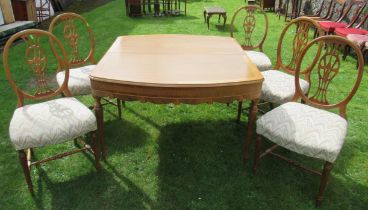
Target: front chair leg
<point x="324" y="179"/>
<point x="257" y="154"/>
<point x="26" y="170"/>
<point x="96" y="151"/>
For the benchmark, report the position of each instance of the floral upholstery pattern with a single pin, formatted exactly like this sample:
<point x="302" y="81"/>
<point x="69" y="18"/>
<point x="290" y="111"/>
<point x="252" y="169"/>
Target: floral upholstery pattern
<point x="260" y="59"/>
<point x="305" y="130"/>
<point x="50" y="122"/>
<point x="279" y="87"/>
<point x="79" y="82"/>
<point x="358" y="39"/>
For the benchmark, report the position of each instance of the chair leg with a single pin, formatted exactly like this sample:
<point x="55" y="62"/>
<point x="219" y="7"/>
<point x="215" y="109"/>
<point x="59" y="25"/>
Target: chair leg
<point x="96" y="150"/>
<point x="324" y="179"/>
<point x="240" y="107"/>
<point x="26" y="170"/>
<point x="118" y="103"/>
<point x="257" y="154"/>
<point x="346" y="51"/>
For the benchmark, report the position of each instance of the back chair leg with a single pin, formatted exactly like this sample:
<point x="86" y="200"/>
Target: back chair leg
<point x="240" y="107"/>
<point x="118" y="103"/>
<point x="324" y="179"/>
<point x="257" y="154"/>
<point x="26" y="170"/>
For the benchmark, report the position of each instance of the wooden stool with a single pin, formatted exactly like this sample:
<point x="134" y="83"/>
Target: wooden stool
<point x="209" y="11"/>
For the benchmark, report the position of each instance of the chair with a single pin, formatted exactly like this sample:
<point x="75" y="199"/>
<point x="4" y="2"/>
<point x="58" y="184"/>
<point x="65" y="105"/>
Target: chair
<point x="330" y="26"/>
<point x="278" y="87"/>
<point x="250" y="41"/>
<point x="328" y="8"/>
<point x="51" y="121"/>
<point x="309" y="129"/>
<point x="70" y="28"/>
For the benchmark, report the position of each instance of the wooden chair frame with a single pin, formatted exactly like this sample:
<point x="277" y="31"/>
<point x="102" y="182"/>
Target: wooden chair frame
<point x="300" y="41"/>
<point x="71" y="36"/>
<point x="249" y="24"/>
<point x="318" y="100"/>
<point x="37" y="62"/>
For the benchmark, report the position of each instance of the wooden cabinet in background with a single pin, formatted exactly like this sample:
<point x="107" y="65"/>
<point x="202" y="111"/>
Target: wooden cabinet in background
<point x="24" y="10"/>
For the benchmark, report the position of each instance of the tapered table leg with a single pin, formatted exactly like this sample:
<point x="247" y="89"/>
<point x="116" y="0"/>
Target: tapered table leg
<point x="251" y="125"/>
<point x="100" y="125"/>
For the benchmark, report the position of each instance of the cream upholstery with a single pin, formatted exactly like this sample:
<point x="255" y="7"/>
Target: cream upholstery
<point x="260" y="59"/>
<point x="50" y="122"/>
<point x="79" y="82"/>
<point x="279" y="87"/>
<point x="304" y="129"/>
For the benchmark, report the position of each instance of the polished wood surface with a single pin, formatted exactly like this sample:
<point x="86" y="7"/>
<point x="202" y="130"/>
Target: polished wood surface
<point x="176" y="68"/>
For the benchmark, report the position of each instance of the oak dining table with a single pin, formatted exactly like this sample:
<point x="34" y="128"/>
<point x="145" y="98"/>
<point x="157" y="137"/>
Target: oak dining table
<point x="171" y="68"/>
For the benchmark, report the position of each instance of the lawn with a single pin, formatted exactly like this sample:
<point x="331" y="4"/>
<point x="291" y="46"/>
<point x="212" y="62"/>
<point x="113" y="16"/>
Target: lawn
<point x="178" y="157"/>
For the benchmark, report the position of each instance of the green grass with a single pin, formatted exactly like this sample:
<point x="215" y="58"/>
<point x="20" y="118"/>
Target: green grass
<point x="178" y="157"/>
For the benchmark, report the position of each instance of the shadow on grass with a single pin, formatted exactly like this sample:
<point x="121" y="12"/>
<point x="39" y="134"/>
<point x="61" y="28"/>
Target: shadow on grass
<point x="95" y="190"/>
<point x="123" y="136"/>
<point x="201" y="167"/>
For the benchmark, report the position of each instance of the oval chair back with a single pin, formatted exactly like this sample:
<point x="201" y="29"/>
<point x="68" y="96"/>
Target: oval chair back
<point x="295" y="36"/>
<point x="73" y="30"/>
<point x="324" y="76"/>
<point x="40" y="49"/>
<point x="254" y="37"/>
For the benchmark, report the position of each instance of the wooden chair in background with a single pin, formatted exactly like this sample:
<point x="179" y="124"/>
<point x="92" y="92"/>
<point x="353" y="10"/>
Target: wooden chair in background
<point x="52" y="121"/>
<point x="68" y="27"/>
<point x="308" y="129"/>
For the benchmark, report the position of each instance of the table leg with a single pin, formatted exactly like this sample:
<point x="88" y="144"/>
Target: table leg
<point x="100" y="125"/>
<point x="251" y="126"/>
<point x="208" y="20"/>
<point x="225" y="17"/>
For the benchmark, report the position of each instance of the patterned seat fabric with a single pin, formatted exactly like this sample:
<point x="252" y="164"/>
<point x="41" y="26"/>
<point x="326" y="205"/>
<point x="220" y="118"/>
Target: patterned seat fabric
<point x="358" y="39"/>
<point x="260" y="59"/>
<point x="50" y="122"/>
<point x="305" y="130"/>
<point x="79" y="82"/>
<point x="279" y="87"/>
<point x="347" y="31"/>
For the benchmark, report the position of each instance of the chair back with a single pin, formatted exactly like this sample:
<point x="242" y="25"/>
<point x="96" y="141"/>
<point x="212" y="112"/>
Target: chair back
<point x="40" y="64"/>
<point x="75" y="33"/>
<point x="360" y="5"/>
<point x="327" y="72"/>
<point x="254" y="36"/>
<point x="294" y="37"/>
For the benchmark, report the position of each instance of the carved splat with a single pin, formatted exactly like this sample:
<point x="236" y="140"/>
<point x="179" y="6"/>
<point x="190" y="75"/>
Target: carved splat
<point x="37" y="62"/>
<point x="249" y="25"/>
<point x="300" y="41"/>
<point x="72" y="38"/>
<point x="328" y="68"/>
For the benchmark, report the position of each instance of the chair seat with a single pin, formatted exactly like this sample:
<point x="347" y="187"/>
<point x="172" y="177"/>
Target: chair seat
<point x="330" y="26"/>
<point x="305" y="130"/>
<point x="346" y="31"/>
<point x="260" y="59"/>
<point x="279" y="87"/>
<point x="79" y="82"/>
<point x="358" y="39"/>
<point x="50" y="122"/>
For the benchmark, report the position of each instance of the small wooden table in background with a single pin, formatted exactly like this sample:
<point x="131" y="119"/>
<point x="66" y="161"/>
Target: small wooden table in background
<point x="177" y="69"/>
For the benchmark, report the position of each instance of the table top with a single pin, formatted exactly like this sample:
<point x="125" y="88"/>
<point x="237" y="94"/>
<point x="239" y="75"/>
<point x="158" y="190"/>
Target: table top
<point x="188" y="67"/>
<point x="175" y="60"/>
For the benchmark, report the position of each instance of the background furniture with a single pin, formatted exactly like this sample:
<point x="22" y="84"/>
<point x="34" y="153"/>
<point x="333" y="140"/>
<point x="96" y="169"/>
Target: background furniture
<point x="51" y="121"/>
<point x="268" y="4"/>
<point x="209" y="11"/>
<point x="309" y="129"/>
<point x="177" y="69"/>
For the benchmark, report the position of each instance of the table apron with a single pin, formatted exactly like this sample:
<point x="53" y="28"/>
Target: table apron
<point x="177" y="95"/>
